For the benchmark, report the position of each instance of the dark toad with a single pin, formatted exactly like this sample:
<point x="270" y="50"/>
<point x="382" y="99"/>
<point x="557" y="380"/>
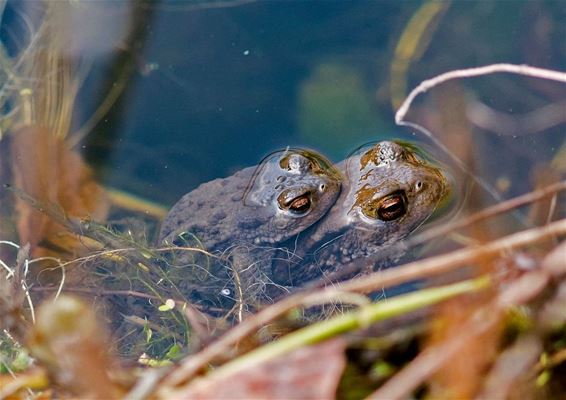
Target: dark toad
<point x="243" y="221"/>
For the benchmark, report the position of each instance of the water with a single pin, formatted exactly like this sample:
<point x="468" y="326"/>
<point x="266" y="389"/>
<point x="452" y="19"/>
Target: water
<point x="210" y="87"/>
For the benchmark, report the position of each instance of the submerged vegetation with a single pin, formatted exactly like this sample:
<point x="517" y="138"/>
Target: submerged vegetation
<point x="91" y="307"/>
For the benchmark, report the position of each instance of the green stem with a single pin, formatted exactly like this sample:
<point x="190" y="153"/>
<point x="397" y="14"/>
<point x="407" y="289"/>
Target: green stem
<point x="353" y="320"/>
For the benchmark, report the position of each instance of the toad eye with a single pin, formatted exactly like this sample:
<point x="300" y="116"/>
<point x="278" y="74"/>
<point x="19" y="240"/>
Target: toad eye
<point x="300" y="205"/>
<point x="392" y="207"/>
<point x="389" y="208"/>
<point x="297" y="205"/>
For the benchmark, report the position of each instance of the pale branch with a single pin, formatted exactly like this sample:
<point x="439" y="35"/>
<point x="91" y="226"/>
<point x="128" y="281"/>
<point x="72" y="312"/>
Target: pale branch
<point x="446" y="262"/>
<point x="428" y="84"/>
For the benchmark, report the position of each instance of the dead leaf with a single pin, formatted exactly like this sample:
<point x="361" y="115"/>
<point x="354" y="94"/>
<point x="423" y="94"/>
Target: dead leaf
<point x="48" y="170"/>
<point x="68" y="339"/>
<point x="510" y="367"/>
<point x="308" y="373"/>
<point x="12" y="386"/>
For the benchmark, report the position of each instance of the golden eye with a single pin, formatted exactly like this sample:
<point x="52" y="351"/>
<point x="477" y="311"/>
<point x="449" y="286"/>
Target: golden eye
<point x="297" y="205"/>
<point x="392" y="207"/>
<point x="300" y="205"/>
<point x="388" y="208"/>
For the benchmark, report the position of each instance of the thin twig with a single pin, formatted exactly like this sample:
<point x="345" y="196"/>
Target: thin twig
<point x="440" y="264"/>
<point x="9" y="243"/>
<point x="486" y="213"/>
<point x="61" y="284"/>
<point x="2" y="263"/>
<point x="27" y="295"/>
<point x="10" y="270"/>
<point x="468" y="73"/>
<point x="525" y="70"/>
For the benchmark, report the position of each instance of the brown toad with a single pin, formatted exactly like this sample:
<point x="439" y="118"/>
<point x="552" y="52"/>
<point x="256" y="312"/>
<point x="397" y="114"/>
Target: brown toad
<point x="244" y="220"/>
<point x="388" y="191"/>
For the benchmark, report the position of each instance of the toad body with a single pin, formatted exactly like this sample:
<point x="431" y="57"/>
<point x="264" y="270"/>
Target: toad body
<point x="244" y="220"/>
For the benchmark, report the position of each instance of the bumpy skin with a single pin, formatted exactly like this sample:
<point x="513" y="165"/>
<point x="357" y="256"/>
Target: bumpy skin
<point x="242" y="219"/>
<point x="387" y="193"/>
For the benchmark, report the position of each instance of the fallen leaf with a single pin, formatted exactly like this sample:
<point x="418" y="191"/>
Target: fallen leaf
<point x="48" y="170"/>
<point x="308" y="373"/>
<point x="68" y="339"/>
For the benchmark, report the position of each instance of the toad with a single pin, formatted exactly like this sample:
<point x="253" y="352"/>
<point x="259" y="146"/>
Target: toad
<point x="302" y="220"/>
<point x="243" y="221"/>
<point x="389" y="190"/>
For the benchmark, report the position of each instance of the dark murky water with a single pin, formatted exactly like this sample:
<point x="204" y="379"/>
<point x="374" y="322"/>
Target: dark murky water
<point x="210" y="87"/>
<point x="213" y="87"/>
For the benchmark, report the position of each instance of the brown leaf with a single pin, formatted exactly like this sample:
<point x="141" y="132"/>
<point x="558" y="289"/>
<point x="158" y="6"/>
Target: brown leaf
<point x="68" y="339"/>
<point x="15" y="385"/>
<point x="555" y="261"/>
<point x="462" y="374"/>
<point x="48" y="170"/>
<point x="510" y="367"/>
<point x="308" y="373"/>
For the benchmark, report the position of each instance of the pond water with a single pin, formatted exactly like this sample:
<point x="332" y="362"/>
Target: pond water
<point x="199" y="90"/>
<point x="215" y="89"/>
